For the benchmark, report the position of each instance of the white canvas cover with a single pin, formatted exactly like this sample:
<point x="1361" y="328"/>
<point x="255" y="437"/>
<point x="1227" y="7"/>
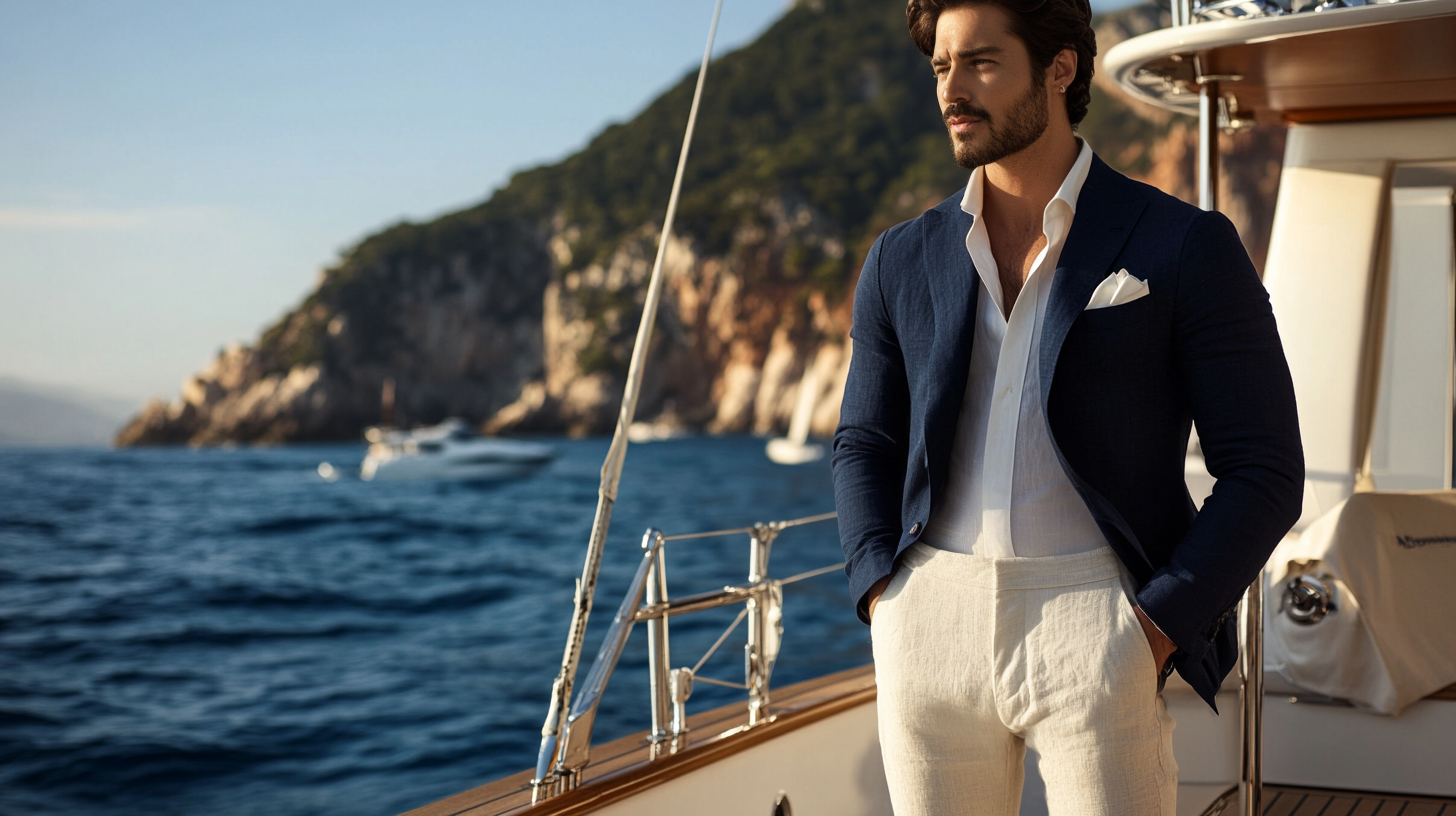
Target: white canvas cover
<point x="1391" y="557"/>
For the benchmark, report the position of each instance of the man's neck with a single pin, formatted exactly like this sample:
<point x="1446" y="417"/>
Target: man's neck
<point x="1019" y="187"/>
<point x="1015" y="194"/>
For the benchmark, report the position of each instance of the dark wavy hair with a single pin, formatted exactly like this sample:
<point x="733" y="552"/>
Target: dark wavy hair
<point x="1045" y="26"/>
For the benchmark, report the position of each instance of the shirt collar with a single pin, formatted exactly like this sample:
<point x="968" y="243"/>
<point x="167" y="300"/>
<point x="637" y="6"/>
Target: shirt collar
<point x="1071" y="188"/>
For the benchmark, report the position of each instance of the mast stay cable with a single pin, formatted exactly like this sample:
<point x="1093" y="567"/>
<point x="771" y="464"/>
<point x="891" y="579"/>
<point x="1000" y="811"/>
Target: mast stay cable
<point x="546" y="779"/>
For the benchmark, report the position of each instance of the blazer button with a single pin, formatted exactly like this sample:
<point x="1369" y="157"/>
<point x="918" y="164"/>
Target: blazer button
<point x="915" y="528"/>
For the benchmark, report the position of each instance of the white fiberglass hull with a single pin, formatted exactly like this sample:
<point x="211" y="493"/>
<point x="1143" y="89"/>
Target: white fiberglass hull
<point x="473" y="460"/>
<point x="788" y="452"/>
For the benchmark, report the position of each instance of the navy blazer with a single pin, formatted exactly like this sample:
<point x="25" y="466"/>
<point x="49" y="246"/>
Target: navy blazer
<point x="1126" y="382"/>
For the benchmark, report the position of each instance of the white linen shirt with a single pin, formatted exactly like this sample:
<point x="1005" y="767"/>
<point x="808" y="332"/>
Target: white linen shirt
<point x="1006" y="493"/>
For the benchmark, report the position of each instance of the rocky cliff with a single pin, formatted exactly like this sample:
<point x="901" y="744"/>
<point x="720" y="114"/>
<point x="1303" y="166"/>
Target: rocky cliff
<point x="520" y="313"/>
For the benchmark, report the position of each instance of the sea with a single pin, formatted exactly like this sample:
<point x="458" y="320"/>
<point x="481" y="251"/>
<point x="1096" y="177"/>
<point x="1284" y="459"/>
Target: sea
<point x="226" y="631"/>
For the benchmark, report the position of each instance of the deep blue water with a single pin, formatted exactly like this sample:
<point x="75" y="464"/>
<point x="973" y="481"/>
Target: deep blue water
<point x="186" y="630"/>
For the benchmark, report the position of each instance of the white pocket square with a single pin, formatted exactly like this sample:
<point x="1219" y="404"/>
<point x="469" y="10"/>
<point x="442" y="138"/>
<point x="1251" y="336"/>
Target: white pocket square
<point x="1116" y="290"/>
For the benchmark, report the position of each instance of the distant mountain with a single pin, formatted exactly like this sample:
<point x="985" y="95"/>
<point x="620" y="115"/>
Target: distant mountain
<point x="520" y="312"/>
<point x="32" y="414"/>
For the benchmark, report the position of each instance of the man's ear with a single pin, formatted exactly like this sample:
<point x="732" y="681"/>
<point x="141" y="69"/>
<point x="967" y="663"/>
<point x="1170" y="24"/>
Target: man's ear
<point x="1062" y="70"/>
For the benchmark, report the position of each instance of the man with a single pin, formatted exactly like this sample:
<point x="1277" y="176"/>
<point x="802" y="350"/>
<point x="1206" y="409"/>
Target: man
<point x="1028" y="358"/>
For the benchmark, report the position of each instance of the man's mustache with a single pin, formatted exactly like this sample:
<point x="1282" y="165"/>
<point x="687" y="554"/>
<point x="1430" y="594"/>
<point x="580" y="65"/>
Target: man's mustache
<point x="964" y="109"/>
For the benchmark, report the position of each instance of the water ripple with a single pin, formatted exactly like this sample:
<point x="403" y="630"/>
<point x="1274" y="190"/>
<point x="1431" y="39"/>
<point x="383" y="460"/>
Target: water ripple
<point x="223" y="631"/>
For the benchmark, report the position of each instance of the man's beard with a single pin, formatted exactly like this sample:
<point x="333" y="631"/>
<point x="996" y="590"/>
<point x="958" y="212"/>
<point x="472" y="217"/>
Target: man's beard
<point x="1026" y="121"/>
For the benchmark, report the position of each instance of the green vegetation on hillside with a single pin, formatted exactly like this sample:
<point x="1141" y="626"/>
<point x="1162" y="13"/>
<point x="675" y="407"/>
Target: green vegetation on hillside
<point x="826" y="104"/>
<point x="832" y="106"/>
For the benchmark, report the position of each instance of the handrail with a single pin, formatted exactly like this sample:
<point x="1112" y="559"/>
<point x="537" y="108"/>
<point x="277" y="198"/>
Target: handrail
<point x="722" y="597"/>
<point x="772" y="525"/>
<point x="647" y="600"/>
<point x="698" y="602"/>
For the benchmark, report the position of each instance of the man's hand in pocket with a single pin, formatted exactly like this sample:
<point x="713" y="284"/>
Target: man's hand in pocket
<point x="1162" y="646"/>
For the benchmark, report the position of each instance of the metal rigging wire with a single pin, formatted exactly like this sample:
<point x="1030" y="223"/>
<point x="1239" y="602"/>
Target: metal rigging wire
<point x="616" y="457"/>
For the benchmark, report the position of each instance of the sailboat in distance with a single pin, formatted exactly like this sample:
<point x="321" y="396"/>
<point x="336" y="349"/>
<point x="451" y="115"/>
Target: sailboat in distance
<point x="795" y="449"/>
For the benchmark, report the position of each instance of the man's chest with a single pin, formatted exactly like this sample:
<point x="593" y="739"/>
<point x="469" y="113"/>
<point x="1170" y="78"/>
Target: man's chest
<point x="1014" y="252"/>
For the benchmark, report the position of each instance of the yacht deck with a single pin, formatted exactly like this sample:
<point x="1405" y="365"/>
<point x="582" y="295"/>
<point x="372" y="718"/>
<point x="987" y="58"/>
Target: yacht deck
<point x="1288" y="801"/>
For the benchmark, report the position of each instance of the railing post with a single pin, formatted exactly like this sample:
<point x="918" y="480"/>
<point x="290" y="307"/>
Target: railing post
<point x="1251" y="699"/>
<point x="760" y="542"/>
<point x="566" y="738"/>
<point x="756" y="660"/>
<point x="1182" y="11"/>
<point x="659" y="659"/>
<point x="1208" y="144"/>
<point x="681" y="682"/>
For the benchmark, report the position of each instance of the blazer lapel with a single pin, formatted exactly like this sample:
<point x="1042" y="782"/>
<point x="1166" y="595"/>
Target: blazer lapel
<point x="1105" y="217"/>
<point x="1107" y="210"/>
<point x="954" y="286"/>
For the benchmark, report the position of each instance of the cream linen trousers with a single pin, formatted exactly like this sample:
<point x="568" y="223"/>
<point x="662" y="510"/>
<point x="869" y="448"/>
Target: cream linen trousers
<point x="977" y="658"/>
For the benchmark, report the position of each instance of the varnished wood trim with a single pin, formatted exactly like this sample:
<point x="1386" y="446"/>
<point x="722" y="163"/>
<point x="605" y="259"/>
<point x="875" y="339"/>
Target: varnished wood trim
<point x="622" y="767"/>
<point x="1365" y="112"/>
<point x="625" y="767"/>
<point x="504" y="793"/>
<point x="647" y="775"/>
<point x="1447" y="693"/>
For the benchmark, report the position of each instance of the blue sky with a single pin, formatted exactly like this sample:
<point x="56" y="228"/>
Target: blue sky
<point x="173" y="175"/>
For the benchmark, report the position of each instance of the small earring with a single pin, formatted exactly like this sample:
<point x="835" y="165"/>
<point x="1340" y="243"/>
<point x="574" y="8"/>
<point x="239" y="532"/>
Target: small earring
<point x="1062" y="89"/>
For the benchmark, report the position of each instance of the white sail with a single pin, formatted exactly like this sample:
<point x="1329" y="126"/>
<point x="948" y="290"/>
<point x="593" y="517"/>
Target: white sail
<point x="795" y="450"/>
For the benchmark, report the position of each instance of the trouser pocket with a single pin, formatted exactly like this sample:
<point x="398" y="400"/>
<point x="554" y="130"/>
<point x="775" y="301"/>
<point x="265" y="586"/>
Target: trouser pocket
<point x="1141" y="646"/>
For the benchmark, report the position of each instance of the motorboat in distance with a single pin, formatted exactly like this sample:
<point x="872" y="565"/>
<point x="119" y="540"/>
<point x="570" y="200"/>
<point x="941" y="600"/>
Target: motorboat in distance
<point x="450" y="450"/>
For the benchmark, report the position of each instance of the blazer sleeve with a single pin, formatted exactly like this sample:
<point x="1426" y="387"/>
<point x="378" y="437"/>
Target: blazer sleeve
<point x="872" y="441"/>
<point x="1241" y="396"/>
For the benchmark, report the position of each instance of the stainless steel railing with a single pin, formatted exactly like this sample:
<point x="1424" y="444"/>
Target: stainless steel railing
<point x="1184" y="12"/>
<point x="1251" y="699"/>
<point x="669" y="689"/>
<point x="561" y="763"/>
<point x="1249" y="792"/>
<point x="1215" y="113"/>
